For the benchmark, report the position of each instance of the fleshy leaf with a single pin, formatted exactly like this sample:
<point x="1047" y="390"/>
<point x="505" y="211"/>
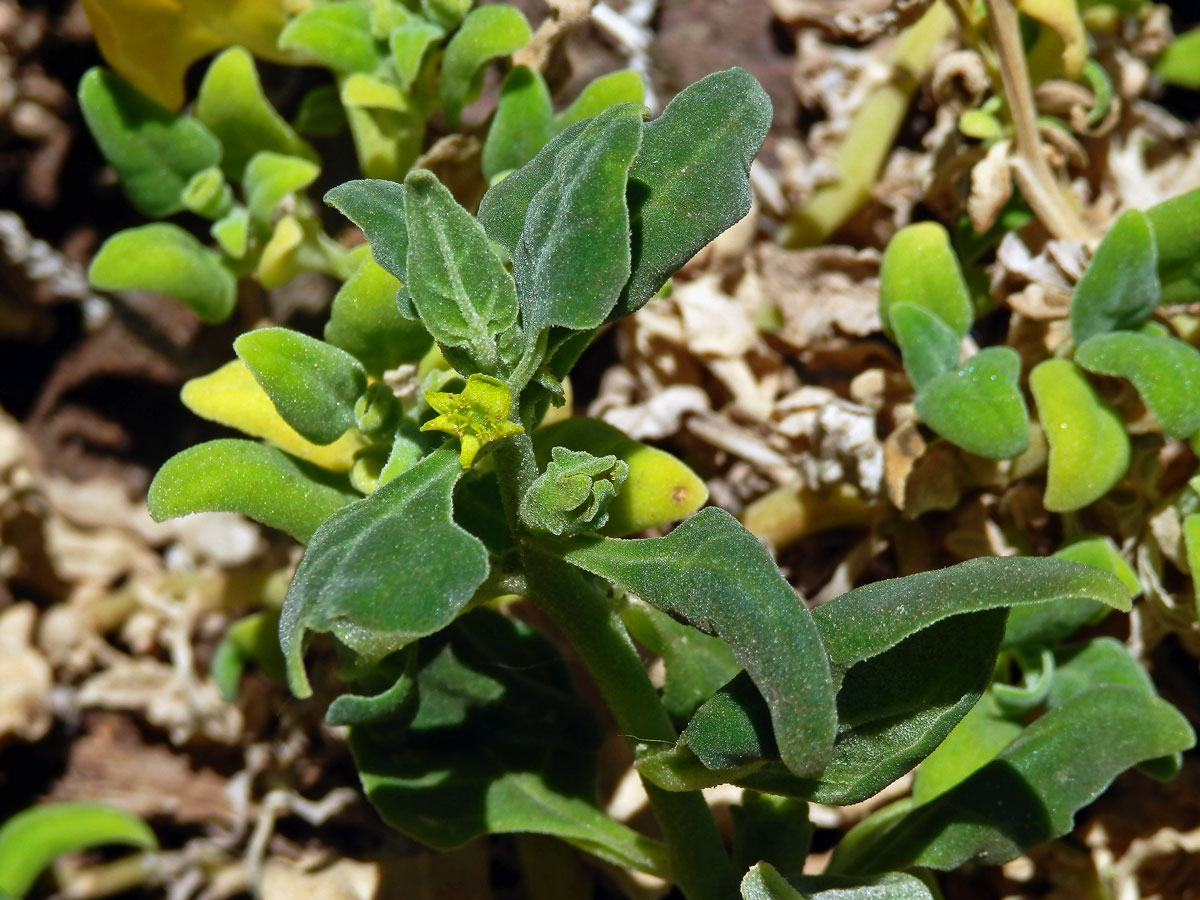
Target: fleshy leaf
<point x="260" y="482"/>
<point x="522" y="124"/>
<point x="920" y="267"/>
<point x="232" y="397"/>
<point x="928" y="345"/>
<point x="1030" y="792"/>
<point x="980" y="406"/>
<point x="573" y="258"/>
<point x="35" y="837"/>
<point x="659" y="489"/>
<point x="714" y="574"/>
<point x="909" y="657"/>
<point x="154" y="151"/>
<point x="695" y="157"/>
<point x="1089" y="449"/>
<point x="487" y="33"/>
<point x="409" y="43"/>
<point x="386" y="570"/>
<point x="1063" y="17"/>
<point x="1165" y="371"/>
<point x="770" y="829"/>
<point x="313" y="385"/>
<point x="365" y="322"/>
<point x="974" y="742"/>
<point x="164" y="259"/>
<point x="763" y="882"/>
<point x="608" y="90"/>
<point x="233" y="106"/>
<point x="491" y="681"/>
<point x="271" y="177"/>
<point x="697" y="664"/>
<point x="336" y="34"/>
<point x="1120" y="288"/>
<point x="460" y="287"/>
<point x="377" y="207"/>
<point x="1047" y="623"/>
<point x="152" y="43"/>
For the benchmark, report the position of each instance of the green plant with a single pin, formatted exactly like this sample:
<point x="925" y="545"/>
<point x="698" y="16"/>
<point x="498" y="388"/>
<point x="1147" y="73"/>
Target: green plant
<point x="33" y="839"/>
<point x="454" y="496"/>
<point x="1143" y="261"/>
<point x="236" y="162"/>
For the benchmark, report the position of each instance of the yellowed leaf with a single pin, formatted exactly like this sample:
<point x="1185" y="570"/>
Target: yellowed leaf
<point x="1062" y="17"/>
<point x="230" y="396"/>
<point x="151" y="43"/>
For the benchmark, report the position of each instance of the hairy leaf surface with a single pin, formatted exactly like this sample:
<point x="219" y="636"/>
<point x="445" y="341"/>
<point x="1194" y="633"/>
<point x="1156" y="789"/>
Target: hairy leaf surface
<point x="385" y="570"/>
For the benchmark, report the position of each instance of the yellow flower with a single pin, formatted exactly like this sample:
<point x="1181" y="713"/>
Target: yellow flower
<point x="151" y="43"/>
<point x="477" y="416"/>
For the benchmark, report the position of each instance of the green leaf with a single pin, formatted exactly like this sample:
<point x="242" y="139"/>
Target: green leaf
<point x="164" y="259"/>
<point x="772" y="829"/>
<point x="251" y="639"/>
<point x="35" y="837"/>
<point x="320" y="113"/>
<point x="1030" y="792"/>
<point x="980" y="406"/>
<point x="1180" y="62"/>
<point x="154" y="151"/>
<point x="1165" y="371"/>
<point x="502" y="209"/>
<point x="487" y="33"/>
<point x="696" y="664"/>
<point x="974" y="742"/>
<point x="1045" y="624"/>
<point x="491" y="682"/>
<point x="690" y="181"/>
<point x="336" y="34"/>
<point x="377" y="207"/>
<point x="365" y="322"/>
<point x="446" y="13"/>
<point x="208" y="194"/>
<point x="608" y="90"/>
<point x="394" y="705"/>
<point x="714" y="574"/>
<point x="920" y="267"/>
<point x="764" y="882"/>
<point x="271" y="177"/>
<point x="572" y="259"/>
<point x="928" y="345"/>
<point x="1089" y="449"/>
<point x="1102" y="660"/>
<point x="409" y="43"/>
<point x="232" y="104"/>
<point x="460" y="287"/>
<point x="232" y="232"/>
<point x="386" y="570"/>
<point x="521" y="125"/>
<point x="1176" y="225"/>
<point x="314" y="385"/>
<point x="909" y="657"/>
<point x="260" y="482"/>
<point x="1120" y="288"/>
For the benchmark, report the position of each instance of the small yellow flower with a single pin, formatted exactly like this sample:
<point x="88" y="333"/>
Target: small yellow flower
<point x="477" y="416"/>
<point x="151" y="43"/>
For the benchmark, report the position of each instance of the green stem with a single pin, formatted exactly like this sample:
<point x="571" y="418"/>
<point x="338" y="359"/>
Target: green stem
<point x="701" y="867"/>
<point x="866" y="145"/>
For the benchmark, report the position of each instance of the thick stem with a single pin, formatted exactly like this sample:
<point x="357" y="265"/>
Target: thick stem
<point x="1038" y="185"/>
<point x="582" y="612"/>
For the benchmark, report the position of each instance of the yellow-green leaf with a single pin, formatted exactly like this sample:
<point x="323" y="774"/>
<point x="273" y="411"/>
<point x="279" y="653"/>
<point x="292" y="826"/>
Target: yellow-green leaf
<point x="151" y="43"/>
<point x="230" y="396"/>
